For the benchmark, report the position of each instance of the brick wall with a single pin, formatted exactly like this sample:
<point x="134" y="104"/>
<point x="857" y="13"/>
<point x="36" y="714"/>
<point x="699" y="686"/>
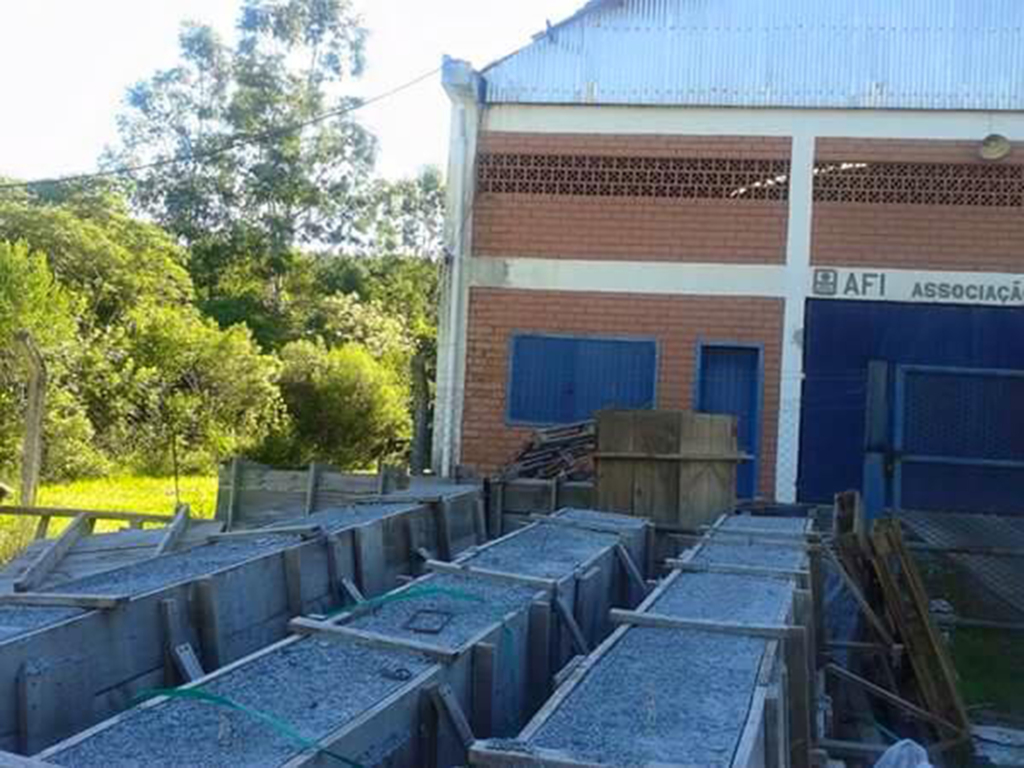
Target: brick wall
<point x="652" y="228"/>
<point x="916" y="236"/>
<point x="676" y="321"/>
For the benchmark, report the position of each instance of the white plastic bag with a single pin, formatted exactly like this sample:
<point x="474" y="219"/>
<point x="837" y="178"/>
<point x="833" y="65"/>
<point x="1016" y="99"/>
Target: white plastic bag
<point x="905" y="754"/>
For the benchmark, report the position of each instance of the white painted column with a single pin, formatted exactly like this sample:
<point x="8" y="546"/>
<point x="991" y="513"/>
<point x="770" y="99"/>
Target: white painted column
<point x="797" y="280"/>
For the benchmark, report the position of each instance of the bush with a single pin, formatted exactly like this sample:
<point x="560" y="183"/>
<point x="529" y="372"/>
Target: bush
<point x="344" y="407"/>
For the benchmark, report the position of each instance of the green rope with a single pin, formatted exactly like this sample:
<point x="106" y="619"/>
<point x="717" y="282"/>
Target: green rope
<point x="415" y="593"/>
<point x="278" y="725"/>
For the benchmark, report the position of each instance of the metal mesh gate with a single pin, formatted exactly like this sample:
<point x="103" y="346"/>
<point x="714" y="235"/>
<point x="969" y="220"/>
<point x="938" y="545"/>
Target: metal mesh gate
<point x="959" y="439"/>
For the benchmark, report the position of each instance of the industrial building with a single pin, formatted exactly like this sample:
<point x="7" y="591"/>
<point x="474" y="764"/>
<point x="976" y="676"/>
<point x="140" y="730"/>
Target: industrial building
<point x="806" y="214"/>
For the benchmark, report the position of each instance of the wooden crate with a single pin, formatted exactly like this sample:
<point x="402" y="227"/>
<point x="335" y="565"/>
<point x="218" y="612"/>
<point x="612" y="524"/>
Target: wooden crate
<point x="676" y="468"/>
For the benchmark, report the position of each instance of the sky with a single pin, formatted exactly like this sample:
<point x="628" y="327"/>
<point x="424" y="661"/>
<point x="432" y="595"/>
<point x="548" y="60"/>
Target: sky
<point x="65" y="65"/>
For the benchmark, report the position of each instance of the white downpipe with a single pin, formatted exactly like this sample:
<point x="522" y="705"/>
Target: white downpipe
<point x="462" y="85"/>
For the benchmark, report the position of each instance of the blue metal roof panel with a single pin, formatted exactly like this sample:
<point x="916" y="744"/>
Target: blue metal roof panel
<point x="910" y="54"/>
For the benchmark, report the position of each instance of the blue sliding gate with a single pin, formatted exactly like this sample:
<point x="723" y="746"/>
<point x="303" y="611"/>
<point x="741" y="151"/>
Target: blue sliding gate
<point x="729" y="382"/>
<point x="958" y="439"/>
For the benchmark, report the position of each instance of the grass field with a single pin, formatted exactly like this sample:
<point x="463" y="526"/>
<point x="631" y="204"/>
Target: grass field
<point x="153" y="495"/>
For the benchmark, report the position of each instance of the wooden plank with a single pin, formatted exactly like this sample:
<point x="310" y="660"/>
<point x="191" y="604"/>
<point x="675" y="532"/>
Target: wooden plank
<point x="209" y="623"/>
<point x="19" y="511"/>
<point x="800" y="706"/>
<point x="304" y="531"/>
<point x="873" y="618"/>
<point x="175" y="532"/>
<point x="769" y="631"/>
<point x="479" y="521"/>
<point x="484" y="688"/>
<point x="42" y="599"/>
<point x="49" y="558"/>
<point x="568" y="670"/>
<point x="65" y="682"/>
<point x="369" y="548"/>
<point x="515" y="578"/>
<point x="676" y="457"/>
<point x="539" y="653"/>
<point x="314" y="475"/>
<point x="42" y="527"/>
<point x="578" y="639"/>
<point x="11" y="760"/>
<point x="499" y="756"/>
<point x="187" y="663"/>
<point x="171" y="629"/>
<point x="445" y="701"/>
<point x="305" y="626"/>
<point x="632" y="572"/>
<point x="494" y="493"/>
<point x="335" y="557"/>
<point x="745" y="755"/>
<point x="353" y="591"/>
<point x="892" y="698"/>
<point x="440" y="512"/>
<point x="688" y="566"/>
<point x="293" y="581"/>
<point x="234" y="493"/>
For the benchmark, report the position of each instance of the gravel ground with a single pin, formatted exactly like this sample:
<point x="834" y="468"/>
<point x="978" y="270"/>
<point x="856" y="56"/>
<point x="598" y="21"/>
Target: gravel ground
<point x="778" y="524"/>
<point x="546" y="551"/>
<point x="474" y="604"/>
<point x="725" y="597"/>
<point x="602" y="518"/>
<point x="17" y="620"/>
<point x="734" y="550"/>
<point x="340" y="518"/>
<point x="148" y="575"/>
<point x="314" y="686"/>
<point x="660" y="695"/>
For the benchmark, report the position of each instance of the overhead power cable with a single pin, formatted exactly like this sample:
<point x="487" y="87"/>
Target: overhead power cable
<point x="233" y="142"/>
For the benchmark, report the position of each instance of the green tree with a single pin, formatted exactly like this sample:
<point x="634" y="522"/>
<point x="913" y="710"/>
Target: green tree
<point x="405" y="216"/>
<point x="243" y="206"/>
<point x="344" y="406"/>
<point x="31" y="299"/>
<point x="97" y="250"/>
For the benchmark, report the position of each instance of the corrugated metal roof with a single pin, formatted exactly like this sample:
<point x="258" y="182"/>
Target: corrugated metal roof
<point x="887" y="54"/>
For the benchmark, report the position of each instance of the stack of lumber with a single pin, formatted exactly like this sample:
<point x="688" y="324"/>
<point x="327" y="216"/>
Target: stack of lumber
<point x="915" y="672"/>
<point x="564" y="451"/>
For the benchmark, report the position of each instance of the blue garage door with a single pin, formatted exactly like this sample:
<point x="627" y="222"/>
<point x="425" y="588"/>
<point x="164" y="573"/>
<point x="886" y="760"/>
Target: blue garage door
<point x="730" y="382"/>
<point x="560" y="380"/>
<point x="843" y="337"/>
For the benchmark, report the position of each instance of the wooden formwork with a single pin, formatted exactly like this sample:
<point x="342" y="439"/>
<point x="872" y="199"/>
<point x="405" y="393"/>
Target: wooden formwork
<point x="512" y="503"/>
<point x="477" y="683"/>
<point x="400" y="728"/>
<point x="142" y="639"/>
<point x="583" y="589"/>
<point x="774" y="729"/>
<point x="487" y="651"/>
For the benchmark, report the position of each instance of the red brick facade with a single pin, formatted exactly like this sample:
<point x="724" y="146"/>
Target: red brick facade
<point x="657" y="227"/>
<point x="918" y="235"/>
<point x="677" y="322"/>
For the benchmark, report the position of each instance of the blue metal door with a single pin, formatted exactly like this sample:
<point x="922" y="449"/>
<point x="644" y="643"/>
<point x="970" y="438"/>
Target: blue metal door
<point x="730" y="383"/>
<point x="958" y="439"/>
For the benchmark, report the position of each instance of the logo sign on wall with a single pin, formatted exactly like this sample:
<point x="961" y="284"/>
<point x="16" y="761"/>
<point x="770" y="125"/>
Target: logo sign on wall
<point x="972" y="288"/>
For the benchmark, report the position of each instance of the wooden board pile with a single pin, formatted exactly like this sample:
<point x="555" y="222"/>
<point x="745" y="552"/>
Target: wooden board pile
<point x="563" y="451"/>
<point x="912" y="673"/>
